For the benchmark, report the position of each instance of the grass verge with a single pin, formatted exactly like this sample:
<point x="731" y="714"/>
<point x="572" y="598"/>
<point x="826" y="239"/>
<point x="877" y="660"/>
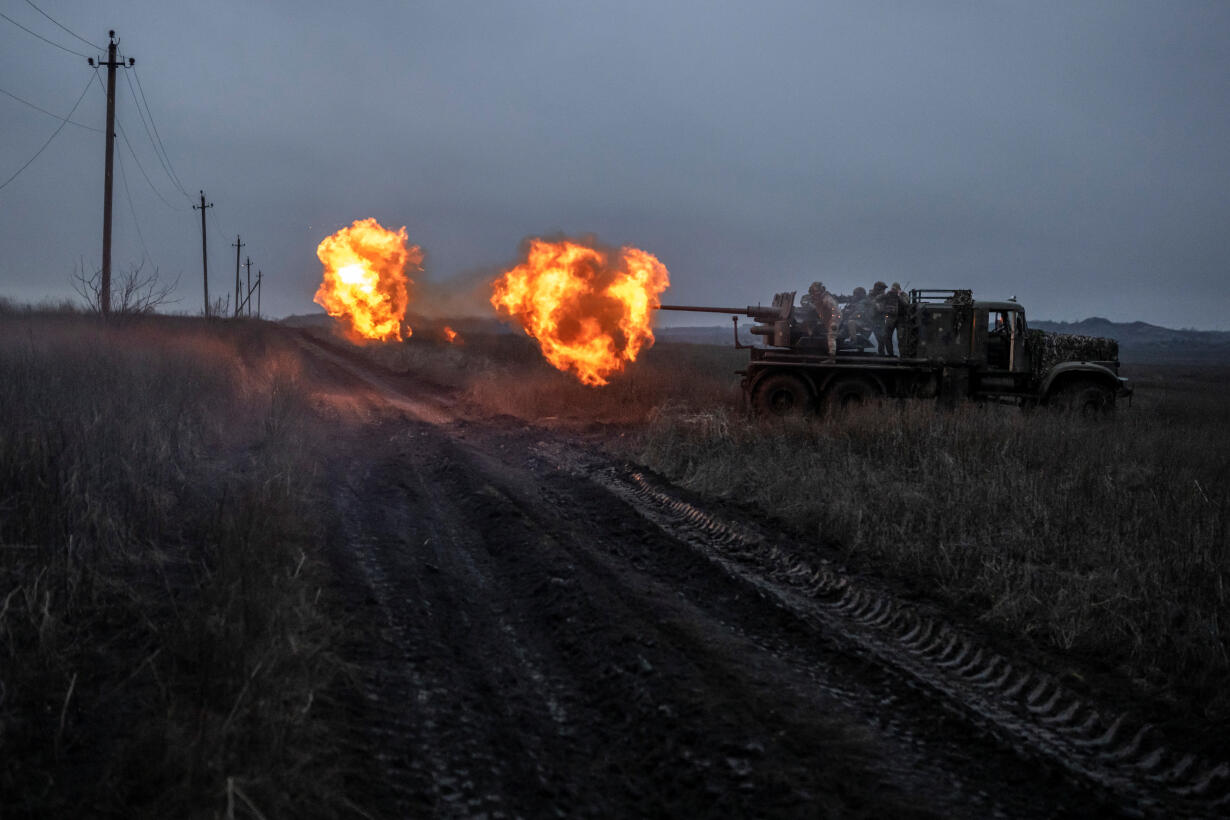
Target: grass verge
<point x="1105" y="540"/>
<point x="162" y="651"/>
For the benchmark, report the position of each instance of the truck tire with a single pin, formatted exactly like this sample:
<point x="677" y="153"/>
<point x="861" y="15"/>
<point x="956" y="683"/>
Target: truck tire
<point x="1084" y="397"/>
<point x="782" y="395"/>
<point x="849" y="393"/>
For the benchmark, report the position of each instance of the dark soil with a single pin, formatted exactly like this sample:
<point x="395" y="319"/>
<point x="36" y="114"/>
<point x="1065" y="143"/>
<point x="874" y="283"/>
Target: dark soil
<point x="527" y="644"/>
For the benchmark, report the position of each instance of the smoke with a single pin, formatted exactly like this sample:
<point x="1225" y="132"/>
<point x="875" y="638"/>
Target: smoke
<point x="466" y="295"/>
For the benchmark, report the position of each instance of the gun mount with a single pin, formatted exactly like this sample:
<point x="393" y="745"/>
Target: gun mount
<point x="778" y="324"/>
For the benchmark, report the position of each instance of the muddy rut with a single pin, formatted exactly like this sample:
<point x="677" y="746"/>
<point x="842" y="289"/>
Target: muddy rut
<point x="540" y="631"/>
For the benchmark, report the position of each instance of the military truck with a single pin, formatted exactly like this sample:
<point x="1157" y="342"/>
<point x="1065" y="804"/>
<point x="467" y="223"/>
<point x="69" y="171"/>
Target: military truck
<point x="951" y="347"/>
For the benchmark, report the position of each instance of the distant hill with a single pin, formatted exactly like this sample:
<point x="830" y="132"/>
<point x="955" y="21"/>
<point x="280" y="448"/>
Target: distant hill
<point x="1143" y="341"/>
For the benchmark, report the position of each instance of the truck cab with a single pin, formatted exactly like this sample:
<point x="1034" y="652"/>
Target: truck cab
<point x="1001" y="328"/>
<point x="1001" y="357"/>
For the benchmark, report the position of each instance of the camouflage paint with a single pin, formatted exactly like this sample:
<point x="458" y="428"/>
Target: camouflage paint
<point x="1049" y="349"/>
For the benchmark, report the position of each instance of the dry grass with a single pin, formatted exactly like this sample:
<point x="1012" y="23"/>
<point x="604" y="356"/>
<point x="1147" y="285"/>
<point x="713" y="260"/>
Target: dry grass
<point x="159" y="632"/>
<point x="504" y="374"/>
<point x="679" y="375"/>
<point x="1108" y="540"/>
<point x="1105" y="540"/>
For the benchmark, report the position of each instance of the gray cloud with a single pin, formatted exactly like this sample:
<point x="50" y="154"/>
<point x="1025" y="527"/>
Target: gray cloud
<point x="1072" y="155"/>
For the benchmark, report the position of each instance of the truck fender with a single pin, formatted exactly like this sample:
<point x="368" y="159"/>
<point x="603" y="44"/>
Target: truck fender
<point x="1066" y="370"/>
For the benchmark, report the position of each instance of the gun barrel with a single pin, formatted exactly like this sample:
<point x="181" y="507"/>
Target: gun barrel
<point x="743" y="311"/>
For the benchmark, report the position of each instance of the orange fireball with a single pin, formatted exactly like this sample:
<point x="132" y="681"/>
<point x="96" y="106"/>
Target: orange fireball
<point x="365" y="280"/>
<point x="589" y="307"/>
<point x="451" y="336"/>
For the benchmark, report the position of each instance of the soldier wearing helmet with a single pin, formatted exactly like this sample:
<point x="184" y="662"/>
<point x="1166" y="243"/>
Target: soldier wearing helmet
<point x="893" y="306"/>
<point x="823" y="316"/>
<point x="883" y="313"/>
<point x="855" y="317"/>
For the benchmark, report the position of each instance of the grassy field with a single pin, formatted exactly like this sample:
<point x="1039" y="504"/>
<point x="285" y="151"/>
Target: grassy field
<point x="162" y="653"/>
<point x="1108" y="541"/>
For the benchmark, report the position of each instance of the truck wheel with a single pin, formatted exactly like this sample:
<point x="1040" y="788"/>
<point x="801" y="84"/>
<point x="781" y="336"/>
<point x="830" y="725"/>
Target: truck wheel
<point x="1086" y="398"/>
<point x="849" y="394"/>
<point x="782" y="395"/>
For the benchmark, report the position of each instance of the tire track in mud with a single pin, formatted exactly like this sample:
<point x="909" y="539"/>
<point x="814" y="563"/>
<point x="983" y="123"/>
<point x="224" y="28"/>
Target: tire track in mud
<point x="1027" y="707"/>
<point x="531" y="677"/>
<point x="588" y="683"/>
<point x="445" y="720"/>
<point x="550" y="652"/>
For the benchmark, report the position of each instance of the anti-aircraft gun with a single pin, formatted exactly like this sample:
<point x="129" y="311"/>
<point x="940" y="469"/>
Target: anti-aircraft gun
<point x="950" y="347"/>
<point x="781" y="324"/>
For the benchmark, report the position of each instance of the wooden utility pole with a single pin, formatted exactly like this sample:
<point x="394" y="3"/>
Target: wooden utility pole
<point x="204" y="250"/>
<point x="112" y="64"/>
<point x="237" y="245"/>
<point x="247" y="302"/>
<point x="259" y="278"/>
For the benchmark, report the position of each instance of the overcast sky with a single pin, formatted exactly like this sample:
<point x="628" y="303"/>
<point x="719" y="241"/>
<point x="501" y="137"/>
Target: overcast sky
<point x="1076" y="155"/>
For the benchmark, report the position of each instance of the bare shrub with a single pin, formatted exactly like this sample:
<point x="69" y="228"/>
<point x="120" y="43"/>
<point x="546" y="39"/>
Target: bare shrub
<point x="133" y="292"/>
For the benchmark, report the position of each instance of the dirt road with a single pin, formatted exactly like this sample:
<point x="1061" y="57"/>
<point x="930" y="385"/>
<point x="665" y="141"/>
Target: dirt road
<point x="539" y="631"/>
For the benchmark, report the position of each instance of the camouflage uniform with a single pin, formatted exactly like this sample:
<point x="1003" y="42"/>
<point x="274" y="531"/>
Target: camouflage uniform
<point x="889" y="308"/>
<point x="880" y="317"/>
<point x="894" y="314"/>
<point x="824" y="316"/>
<point x="854" y="316"/>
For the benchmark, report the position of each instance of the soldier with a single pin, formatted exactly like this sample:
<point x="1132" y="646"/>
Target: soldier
<point x="888" y="309"/>
<point x="895" y="305"/>
<point x="854" y="317"/>
<point x="880" y="318"/>
<point x="824" y="310"/>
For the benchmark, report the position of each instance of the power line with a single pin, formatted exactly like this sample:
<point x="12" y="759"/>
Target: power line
<point x="131" y="209"/>
<point x="154" y="125"/>
<point x="49" y="113"/>
<point x="41" y="37"/>
<point x="63" y="27"/>
<point x="217" y="229"/>
<point x="217" y="225"/>
<point x="49" y="139"/>
<point x="140" y="167"/>
<point x="161" y="161"/>
<point x="157" y="193"/>
<point x="145" y="125"/>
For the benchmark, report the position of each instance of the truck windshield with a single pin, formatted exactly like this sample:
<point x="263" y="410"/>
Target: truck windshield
<point x="1006" y="322"/>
